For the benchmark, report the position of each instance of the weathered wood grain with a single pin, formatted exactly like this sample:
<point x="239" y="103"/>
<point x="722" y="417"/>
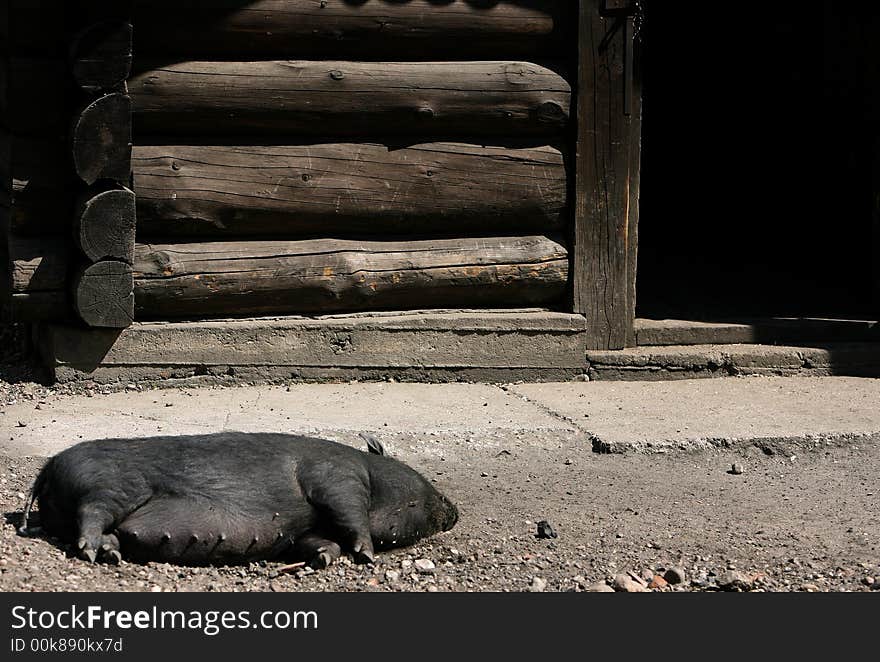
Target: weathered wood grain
<point x="101" y="140"/>
<point x="104" y="295"/>
<point x="104" y="225"/>
<point x="37" y="264"/>
<point x="328" y="275"/>
<point x="606" y="173"/>
<point x="315" y="98"/>
<point x="347" y="188"/>
<point x="423" y="29"/>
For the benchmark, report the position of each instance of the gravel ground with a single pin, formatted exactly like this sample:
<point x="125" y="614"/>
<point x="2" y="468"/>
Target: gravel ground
<point x="805" y="523"/>
<point x="754" y="519"/>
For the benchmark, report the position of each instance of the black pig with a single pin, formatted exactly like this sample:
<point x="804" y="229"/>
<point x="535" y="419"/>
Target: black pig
<point x="234" y="497"/>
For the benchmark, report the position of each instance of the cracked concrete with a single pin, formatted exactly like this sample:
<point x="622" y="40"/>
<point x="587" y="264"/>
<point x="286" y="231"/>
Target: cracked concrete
<point x="612" y="416"/>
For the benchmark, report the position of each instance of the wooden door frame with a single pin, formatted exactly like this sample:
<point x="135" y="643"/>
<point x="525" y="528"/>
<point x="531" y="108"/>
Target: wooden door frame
<point x="607" y="162"/>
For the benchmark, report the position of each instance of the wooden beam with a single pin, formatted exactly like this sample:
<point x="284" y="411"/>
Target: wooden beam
<point x="314" y="98"/>
<point x="435" y="188"/>
<point x="606" y="175"/>
<point x="331" y="275"/>
<point x="422" y="29"/>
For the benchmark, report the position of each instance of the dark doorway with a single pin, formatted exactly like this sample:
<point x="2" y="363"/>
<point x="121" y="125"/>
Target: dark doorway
<point x="756" y="196"/>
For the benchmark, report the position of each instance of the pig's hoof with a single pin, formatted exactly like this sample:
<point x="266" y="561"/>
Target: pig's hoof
<point x="110" y="556"/>
<point x="321" y="561"/>
<point x="363" y="554"/>
<point x="88" y="554"/>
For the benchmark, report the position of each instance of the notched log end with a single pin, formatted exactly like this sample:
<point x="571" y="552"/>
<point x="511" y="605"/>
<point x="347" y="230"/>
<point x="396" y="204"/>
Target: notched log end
<point x="105" y="225"/>
<point x="101" y="56"/>
<point x="104" y="295"/>
<point x="101" y="140"/>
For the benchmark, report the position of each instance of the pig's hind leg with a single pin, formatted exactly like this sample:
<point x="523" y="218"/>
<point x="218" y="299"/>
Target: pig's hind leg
<point x="96" y="517"/>
<point x="342" y="502"/>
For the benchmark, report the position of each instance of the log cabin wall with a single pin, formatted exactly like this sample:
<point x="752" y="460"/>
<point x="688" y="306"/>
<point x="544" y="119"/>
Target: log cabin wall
<point x="182" y="160"/>
<point x="303" y="157"/>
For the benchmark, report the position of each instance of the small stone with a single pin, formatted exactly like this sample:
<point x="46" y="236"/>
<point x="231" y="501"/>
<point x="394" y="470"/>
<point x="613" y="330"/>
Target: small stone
<point x="734" y="580"/>
<point x="538" y="585"/>
<point x="425" y="566"/>
<point x="599" y="587"/>
<point x="626" y="584"/>
<point x="810" y="588"/>
<point x="868" y="581"/>
<point x="406" y="564"/>
<point x="647" y="575"/>
<point x="545" y="530"/>
<point x="569" y="462"/>
<point x="372" y="581"/>
<point x="392" y="576"/>
<point x="156" y="589"/>
<point x="658" y="582"/>
<point x="21" y="424"/>
<point x="675" y="575"/>
<point x="736" y="469"/>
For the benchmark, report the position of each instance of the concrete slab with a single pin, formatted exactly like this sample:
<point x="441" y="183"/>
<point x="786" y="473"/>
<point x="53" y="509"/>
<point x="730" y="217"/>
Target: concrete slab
<point x="695" y="414"/>
<point x="337" y="411"/>
<point x="698" y="361"/>
<point x="510" y="344"/>
<point x="781" y="330"/>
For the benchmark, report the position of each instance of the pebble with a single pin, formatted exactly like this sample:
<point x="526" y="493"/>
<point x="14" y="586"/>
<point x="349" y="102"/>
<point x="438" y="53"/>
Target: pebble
<point x="736" y="469"/>
<point x="600" y="587"/>
<point x="734" y="580"/>
<point x="675" y="575"/>
<point x="392" y="575"/>
<point x="545" y="530"/>
<point x="647" y="575"/>
<point x="156" y="589"/>
<point x="425" y="566"/>
<point x="658" y="582"/>
<point x="626" y="584"/>
<point x="538" y="585"/>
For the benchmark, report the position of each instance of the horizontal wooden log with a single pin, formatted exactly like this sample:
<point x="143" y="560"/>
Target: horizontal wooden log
<point x="329" y="275"/>
<point x="104" y="295"/>
<point x="39" y="96"/>
<point x="37" y="264"/>
<point x="104" y="225"/>
<point x="101" y="140"/>
<point x="347" y="188"/>
<point x="423" y="29"/>
<point x="101" y="56"/>
<point x="34" y="273"/>
<point x="446" y="99"/>
<point x="42" y="187"/>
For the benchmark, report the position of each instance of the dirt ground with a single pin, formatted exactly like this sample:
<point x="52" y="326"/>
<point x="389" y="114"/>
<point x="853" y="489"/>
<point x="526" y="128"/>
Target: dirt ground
<point x="786" y="523"/>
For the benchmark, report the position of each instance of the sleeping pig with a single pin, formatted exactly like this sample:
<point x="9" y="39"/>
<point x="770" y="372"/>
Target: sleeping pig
<point x="234" y="497"/>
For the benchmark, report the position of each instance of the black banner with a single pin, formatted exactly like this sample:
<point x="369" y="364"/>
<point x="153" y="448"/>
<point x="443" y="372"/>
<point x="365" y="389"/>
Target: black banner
<point x="403" y="626"/>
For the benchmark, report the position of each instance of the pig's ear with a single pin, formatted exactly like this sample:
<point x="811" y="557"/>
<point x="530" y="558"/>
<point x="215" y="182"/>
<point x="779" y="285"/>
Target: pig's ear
<point x="374" y="446"/>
